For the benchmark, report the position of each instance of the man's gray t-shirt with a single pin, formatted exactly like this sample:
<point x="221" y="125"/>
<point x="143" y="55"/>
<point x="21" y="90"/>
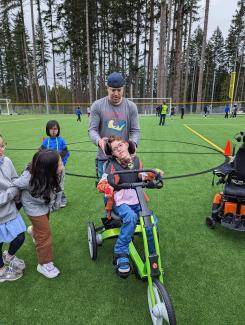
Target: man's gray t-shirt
<point x="119" y="120"/>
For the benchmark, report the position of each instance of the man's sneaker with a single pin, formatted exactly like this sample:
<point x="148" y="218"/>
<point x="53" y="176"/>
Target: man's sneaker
<point x="123" y="265"/>
<point x="48" y="270"/>
<point x="30" y="232"/>
<point x="9" y="274"/>
<point x="14" y="262"/>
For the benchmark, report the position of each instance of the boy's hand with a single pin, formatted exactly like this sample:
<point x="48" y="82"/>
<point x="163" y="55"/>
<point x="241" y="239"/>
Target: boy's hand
<point x="109" y="191"/>
<point x="104" y="187"/>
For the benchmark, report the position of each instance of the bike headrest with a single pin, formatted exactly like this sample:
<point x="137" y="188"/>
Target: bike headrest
<point x="131" y="148"/>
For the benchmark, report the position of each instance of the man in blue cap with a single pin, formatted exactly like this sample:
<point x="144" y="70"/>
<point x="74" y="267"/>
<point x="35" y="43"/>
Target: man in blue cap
<point x="113" y="115"/>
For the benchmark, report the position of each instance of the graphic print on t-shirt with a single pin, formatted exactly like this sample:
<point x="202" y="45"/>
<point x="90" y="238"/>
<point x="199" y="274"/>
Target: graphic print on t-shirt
<point x="116" y="125"/>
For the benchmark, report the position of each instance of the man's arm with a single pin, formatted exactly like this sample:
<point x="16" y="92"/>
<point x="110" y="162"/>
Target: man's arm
<point x="94" y="125"/>
<point x="93" y="130"/>
<point x="134" y="132"/>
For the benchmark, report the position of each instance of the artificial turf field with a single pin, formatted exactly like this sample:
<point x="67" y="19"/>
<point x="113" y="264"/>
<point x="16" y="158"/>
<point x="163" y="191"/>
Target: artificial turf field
<point x="204" y="269"/>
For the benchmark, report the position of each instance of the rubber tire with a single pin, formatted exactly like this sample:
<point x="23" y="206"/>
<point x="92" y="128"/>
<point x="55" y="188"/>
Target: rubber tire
<point x="164" y="297"/>
<point x="214" y="216"/>
<point x="92" y="243"/>
<point x="210" y="222"/>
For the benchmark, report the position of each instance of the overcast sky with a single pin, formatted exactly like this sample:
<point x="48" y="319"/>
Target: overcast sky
<point x="220" y="14"/>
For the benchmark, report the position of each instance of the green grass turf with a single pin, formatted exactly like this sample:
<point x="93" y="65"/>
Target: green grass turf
<point x="204" y="269"/>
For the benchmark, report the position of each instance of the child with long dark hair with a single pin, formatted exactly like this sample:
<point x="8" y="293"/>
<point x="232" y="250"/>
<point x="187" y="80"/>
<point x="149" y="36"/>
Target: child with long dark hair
<point x="55" y="142"/>
<point x="41" y="184"/>
<point x="12" y="226"/>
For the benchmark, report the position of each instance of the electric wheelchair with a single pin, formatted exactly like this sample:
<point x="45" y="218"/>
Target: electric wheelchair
<point x="228" y="207"/>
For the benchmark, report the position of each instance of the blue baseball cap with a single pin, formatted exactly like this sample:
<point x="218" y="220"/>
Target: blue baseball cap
<point x="115" y="80"/>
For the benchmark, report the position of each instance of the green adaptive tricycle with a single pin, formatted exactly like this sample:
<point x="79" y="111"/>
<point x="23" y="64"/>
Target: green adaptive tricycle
<point x="146" y="266"/>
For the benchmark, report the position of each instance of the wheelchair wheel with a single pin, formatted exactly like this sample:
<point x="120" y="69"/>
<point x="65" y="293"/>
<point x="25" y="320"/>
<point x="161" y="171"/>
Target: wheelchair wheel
<point x="92" y="244"/>
<point x="210" y="222"/>
<point x="162" y="312"/>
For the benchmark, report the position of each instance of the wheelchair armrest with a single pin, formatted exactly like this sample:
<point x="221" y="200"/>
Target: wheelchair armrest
<point x="224" y="170"/>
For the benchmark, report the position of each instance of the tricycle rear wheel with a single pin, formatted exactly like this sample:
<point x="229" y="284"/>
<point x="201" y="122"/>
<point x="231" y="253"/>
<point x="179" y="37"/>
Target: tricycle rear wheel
<point x="92" y="243"/>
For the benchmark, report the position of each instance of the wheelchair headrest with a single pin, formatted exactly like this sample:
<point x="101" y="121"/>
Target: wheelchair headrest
<point x="239" y="164"/>
<point x="240" y="136"/>
<point x="131" y="148"/>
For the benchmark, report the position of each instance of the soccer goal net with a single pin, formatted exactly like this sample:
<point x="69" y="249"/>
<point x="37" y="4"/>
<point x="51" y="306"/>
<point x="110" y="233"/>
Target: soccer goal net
<point x="147" y="106"/>
<point x="6" y="106"/>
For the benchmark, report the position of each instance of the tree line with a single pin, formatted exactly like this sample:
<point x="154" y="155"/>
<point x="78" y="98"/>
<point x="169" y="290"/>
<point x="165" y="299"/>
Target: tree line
<point x="63" y="50"/>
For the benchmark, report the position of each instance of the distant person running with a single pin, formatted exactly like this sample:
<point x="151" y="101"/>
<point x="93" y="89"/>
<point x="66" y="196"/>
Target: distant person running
<point x="55" y="142"/>
<point x="172" y="113"/>
<point x="12" y="226"/>
<point x="41" y="185"/>
<point x="182" y="110"/>
<point x="205" y="111"/>
<point x="158" y="110"/>
<point x="78" y="114"/>
<point x="234" y="111"/>
<point x="227" y="110"/>
<point x="164" y="110"/>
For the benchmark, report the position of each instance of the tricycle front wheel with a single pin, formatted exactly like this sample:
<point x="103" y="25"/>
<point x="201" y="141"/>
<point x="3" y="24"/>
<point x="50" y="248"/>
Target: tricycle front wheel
<point x="162" y="312"/>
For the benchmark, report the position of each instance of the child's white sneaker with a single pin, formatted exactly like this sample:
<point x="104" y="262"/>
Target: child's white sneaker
<point x="63" y="204"/>
<point x="30" y="232"/>
<point x="48" y="270"/>
<point x="7" y="273"/>
<point x="16" y="263"/>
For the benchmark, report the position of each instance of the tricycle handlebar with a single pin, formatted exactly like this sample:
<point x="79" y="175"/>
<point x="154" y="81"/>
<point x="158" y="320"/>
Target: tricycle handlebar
<point x="156" y="183"/>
